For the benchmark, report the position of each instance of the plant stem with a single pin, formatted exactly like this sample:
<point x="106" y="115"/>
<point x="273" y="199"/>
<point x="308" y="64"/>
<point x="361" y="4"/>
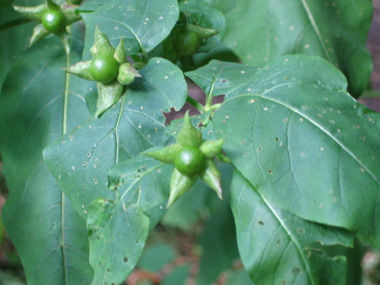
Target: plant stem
<point x="14" y="23"/>
<point x="196" y="104"/>
<point x="212" y="107"/>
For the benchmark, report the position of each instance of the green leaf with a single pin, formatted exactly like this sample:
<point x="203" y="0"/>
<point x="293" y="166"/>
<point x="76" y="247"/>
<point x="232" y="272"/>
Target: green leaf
<point x="239" y="277"/>
<point x="119" y="227"/>
<point x="5" y="3"/>
<point x="218" y="242"/>
<point x="156" y="256"/>
<point x="276" y="247"/>
<point x="179" y="275"/>
<point x="81" y="160"/>
<point x="200" y="14"/>
<point x="221" y="78"/>
<point x="38" y="103"/>
<point x="259" y="32"/>
<point x="306" y="145"/>
<point x="142" y="23"/>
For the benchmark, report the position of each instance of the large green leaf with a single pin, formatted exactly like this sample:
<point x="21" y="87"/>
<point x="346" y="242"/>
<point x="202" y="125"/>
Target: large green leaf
<point x="305" y="144"/>
<point x="261" y="30"/>
<point x="142" y="23"/>
<point x="221" y="78"/>
<point x="277" y="247"/>
<point x="118" y="228"/>
<point x="81" y="160"/>
<point x="218" y="241"/>
<point x="38" y="103"/>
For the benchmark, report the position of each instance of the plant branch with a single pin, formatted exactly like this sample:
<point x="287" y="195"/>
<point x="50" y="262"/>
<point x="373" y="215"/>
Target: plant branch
<point x="196" y="104"/>
<point x="14" y="23"/>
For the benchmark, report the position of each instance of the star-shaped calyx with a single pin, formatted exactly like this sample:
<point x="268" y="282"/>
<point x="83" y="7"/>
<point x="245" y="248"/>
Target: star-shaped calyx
<point x="192" y="157"/>
<point x="109" y="68"/>
<point x="52" y="18"/>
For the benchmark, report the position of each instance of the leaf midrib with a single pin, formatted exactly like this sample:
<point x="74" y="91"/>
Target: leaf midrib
<point x="284" y="226"/>
<point x="64" y="130"/>
<point x="316" y="29"/>
<point x="313" y="123"/>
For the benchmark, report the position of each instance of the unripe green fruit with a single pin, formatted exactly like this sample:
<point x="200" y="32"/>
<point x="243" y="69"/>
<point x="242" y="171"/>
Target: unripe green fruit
<point x="190" y="161"/>
<point x="186" y="43"/>
<point x="104" y="69"/>
<point x="53" y="21"/>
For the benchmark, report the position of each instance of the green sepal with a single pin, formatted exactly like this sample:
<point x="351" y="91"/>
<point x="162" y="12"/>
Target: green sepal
<point x="32" y="13"/>
<point x="39" y="33"/>
<point x="80" y="69"/>
<point x="179" y="185"/>
<point x="203" y="33"/>
<point x="65" y="39"/>
<point x="52" y="6"/>
<point x="108" y="94"/>
<point x="102" y="45"/>
<point x="189" y="135"/>
<point x="211" y="176"/>
<point x="166" y="154"/>
<point x="127" y="74"/>
<point x="70" y="15"/>
<point x="211" y="148"/>
<point x="120" y="54"/>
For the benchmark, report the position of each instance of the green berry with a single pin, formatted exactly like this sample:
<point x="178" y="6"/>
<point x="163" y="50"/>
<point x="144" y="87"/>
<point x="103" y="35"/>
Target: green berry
<point x="53" y="21"/>
<point x="186" y="43"/>
<point x="190" y="161"/>
<point x="104" y="69"/>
